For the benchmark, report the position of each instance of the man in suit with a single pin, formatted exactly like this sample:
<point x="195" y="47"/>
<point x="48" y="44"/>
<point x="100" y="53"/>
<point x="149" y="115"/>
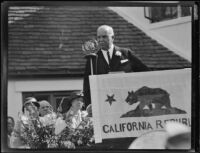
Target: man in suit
<point x="110" y="58"/>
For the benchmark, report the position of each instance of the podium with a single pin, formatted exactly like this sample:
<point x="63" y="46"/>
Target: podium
<point x="127" y="105"/>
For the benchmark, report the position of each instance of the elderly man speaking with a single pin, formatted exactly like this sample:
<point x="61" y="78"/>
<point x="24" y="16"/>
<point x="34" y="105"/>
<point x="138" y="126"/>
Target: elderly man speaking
<point x="110" y="58"/>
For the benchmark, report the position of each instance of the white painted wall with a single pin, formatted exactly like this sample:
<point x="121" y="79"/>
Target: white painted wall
<point x="15" y="89"/>
<point x="174" y="34"/>
<point x="14" y="103"/>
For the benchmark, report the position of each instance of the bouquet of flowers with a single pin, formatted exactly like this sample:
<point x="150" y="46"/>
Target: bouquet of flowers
<point x="40" y="132"/>
<point x="90" y="47"/>
<point x="72" y="138"/>
<point x="34" y="133"/>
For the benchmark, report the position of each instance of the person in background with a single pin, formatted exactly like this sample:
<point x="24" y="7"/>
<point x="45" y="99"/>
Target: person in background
<point x="31" y="107"/>
<point x="110" y="58"/>
<point x="47" y="115"/>
<point x="29" y="110"/>
<point x="11" y="124"/>
<point x="45" y="108"/>
<point x="74" y="112"/>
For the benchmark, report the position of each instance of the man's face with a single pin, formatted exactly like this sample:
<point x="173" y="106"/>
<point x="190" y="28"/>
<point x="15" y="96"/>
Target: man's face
<point x="105" y="39"/>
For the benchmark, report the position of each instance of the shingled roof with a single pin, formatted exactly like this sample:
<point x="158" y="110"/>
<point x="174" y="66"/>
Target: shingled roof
<point x="47" y="40"/>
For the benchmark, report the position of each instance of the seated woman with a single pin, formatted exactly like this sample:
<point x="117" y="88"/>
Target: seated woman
<point x="74" y="114"/>
<point x="75" y="124"/>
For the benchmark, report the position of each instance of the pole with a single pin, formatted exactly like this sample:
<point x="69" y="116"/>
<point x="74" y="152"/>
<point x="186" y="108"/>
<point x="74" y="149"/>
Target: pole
<point x="91" y="65"/>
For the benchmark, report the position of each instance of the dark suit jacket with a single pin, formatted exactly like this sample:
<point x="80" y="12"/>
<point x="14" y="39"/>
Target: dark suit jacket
<point x="100" y="66"/>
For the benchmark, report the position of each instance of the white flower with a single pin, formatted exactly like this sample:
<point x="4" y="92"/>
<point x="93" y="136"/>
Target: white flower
<point x="52" y="145"/>
<point x="118" y="53"/>
<point x="84" y="113"/>
<point x="48" y="119"/>
<point x="80" y="127"/>
<point x="69" y="144"/>
<point x="79" y="142"/>
<point x="25" y="119"/>
<point x="59" y="125"/>
<point x="91" y="139"/>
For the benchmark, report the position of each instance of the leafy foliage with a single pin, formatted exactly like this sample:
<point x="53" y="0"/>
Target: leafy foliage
<point x="37" y="134"/>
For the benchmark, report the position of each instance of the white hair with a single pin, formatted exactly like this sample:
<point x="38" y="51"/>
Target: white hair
<point x="109" y="29"/>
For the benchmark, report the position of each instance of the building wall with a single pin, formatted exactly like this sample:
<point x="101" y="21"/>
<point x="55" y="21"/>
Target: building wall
<point x="174" y="34"/>
<point x="16" y="87"/>
<point x="14" y="104"/>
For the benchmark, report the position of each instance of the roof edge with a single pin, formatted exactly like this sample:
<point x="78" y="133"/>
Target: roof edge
<point x="43" y="75"/>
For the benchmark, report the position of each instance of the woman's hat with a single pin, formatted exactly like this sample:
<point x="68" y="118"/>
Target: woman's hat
<point x="175" y="136"/>
<point x="179" y="136"/>
<point x="75" y="95"/>
<point x="44" y="103"/>
<point x="30" y="100"/>
<point x="66" y="103"/>
<point x="150" y="140"/>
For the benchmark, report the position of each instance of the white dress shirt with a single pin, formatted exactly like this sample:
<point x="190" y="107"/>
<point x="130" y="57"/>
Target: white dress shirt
<point x="110" y="52"/>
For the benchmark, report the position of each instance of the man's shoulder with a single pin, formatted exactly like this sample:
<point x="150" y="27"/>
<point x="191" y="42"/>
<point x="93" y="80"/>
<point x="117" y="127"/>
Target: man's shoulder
<point x="123" y="50"/>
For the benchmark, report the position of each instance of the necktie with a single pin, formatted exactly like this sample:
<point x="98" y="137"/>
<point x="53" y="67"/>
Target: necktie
<point x="108" y="57"/>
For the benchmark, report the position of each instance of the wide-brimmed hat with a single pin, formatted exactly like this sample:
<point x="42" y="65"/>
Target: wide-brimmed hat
<point x="150" y="140"/>
<point x="67" y="103"/>
<point x="75" y="95"/>
<point x="175" y="136"/>
<point x="30" y="100"/>
<point x="179" y="135"/>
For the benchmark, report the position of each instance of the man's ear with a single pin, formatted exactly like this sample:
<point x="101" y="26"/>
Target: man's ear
<point x="113" y="37"/>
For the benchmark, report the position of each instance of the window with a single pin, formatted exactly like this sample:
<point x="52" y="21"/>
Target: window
<point x="186" y="11"/>
<point x="157" y="14"/>
<point x="53" y="97"/>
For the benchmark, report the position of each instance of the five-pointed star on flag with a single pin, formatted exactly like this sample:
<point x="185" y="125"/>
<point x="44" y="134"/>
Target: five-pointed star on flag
<point x="110" y="99"/>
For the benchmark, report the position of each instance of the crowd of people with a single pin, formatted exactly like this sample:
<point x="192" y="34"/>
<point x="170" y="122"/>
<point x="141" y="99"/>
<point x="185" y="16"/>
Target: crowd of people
<point x="43" y="112"/>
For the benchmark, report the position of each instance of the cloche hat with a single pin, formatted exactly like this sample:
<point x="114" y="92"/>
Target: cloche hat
<point x="29" y="100"/>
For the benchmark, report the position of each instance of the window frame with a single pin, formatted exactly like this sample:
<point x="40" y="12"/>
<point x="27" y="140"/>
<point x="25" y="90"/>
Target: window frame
<point x="51" y="94"/>
<point x="147" y="14"/>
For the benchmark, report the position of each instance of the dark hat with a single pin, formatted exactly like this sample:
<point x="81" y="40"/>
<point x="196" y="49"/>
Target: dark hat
<point x="75" y="95"/>
<point x="68" y="103"/>
<point x="30" y="100"/>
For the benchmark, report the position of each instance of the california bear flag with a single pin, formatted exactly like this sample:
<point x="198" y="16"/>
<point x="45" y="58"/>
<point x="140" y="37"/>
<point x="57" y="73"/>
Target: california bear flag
<point x="131" y="104"/>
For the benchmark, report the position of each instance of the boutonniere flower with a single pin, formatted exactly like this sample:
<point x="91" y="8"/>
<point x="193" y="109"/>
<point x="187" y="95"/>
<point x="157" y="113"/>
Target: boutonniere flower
<point x="118" y="53"/>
